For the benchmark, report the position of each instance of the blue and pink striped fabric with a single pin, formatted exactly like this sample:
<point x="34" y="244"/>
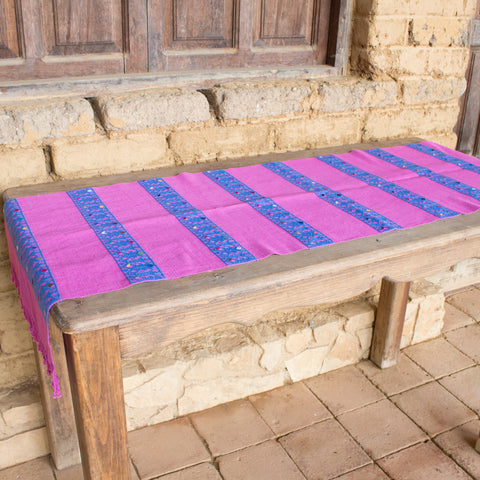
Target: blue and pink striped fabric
<point x="95" y="240"/>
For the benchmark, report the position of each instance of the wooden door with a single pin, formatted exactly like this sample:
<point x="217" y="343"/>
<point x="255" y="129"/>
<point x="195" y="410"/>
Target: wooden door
<point x="62" y="38"/>
<point x="469" y="125"/>
<point x="57" y="38"/>
<point x="206" y="34"/>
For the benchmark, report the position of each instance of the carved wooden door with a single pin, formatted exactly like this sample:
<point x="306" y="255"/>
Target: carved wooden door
<point x="196" y="34"/>
<point x="58" y="38"/>
<point x="469" y="125"/>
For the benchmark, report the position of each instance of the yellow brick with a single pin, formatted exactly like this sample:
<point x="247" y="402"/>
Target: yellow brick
<point x="416" y="7"/>
<point x="23" y="447"/>
<point x="448" y="61"/>
<point x="387" y="31"/>
<point x="102" y="156"/>
<point x="316" y="133"/>
<point x="21" y="167"/>
<point x="448" y="140"/>
<point x="415" y="121"/>
<point x="17" y="369"/>
<point x="439" y="31"/>
<point x="14" y="331"/>
<point x="221" y="142"/>
<point x="6" y="284"/>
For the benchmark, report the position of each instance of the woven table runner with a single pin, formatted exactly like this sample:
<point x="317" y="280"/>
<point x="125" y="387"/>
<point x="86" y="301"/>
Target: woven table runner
<point x="94" y="240"/>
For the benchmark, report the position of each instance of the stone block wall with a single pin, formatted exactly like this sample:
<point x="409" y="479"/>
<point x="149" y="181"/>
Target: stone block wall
<point x="406" y="75"/>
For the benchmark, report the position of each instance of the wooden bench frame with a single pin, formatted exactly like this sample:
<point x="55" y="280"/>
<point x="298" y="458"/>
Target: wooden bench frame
<point x="90" y="336"/>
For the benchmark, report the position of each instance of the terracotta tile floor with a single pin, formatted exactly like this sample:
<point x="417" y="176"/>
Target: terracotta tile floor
<point x="418" y="420"/>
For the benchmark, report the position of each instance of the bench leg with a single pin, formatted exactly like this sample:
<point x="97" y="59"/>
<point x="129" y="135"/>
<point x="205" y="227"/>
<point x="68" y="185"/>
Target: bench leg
<point x="96" y="380"/>
<point x="389" y="323"/>
<point x="59" y="416"/>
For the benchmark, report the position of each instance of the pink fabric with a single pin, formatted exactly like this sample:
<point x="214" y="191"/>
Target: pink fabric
<point x="82" y="266"/>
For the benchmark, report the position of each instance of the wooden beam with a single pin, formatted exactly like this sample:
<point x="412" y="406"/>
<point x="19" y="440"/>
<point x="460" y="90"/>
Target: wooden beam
<point x="389" y="323"/>
<point x="96" y="379"/>
<point x="59" y="416"/>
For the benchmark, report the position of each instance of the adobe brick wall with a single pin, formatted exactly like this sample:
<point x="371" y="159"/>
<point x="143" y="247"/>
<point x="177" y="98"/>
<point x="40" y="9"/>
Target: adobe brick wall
<point x="407" y="66"/>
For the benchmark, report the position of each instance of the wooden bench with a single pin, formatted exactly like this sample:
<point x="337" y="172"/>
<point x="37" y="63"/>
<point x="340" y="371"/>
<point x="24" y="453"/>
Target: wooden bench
<point x="90" y="336"/>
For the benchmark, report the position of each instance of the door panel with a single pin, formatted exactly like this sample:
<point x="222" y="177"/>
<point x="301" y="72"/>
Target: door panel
<point x="469" y="124"/>
<point x="75" y="27"/>
<point x="192" y="24"/>
<point x="283" y="22"/>
<point x="11" y="33"/>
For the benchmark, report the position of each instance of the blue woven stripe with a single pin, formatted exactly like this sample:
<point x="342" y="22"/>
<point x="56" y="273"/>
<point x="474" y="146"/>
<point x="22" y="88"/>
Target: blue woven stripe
<point x="427" y="173"/>
<point x="389" y="187"/>
<point x="219" y="242"/>
<point x="296" y="227"/>
<point x="31" y="257"/>
<point x="339" y="200"/>
<point x="135" y="264"/>
<point x="445" y="157"/>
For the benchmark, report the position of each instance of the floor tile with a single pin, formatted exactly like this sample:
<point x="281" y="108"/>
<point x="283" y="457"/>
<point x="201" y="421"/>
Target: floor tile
<point x="455" y="318"/>
<point x="289" y="408"/>
<point x="204" y="471"/>
<point x="344" y="389"/>
<point x="166" y="447"/>
<point x="459" y="444"/>
<point x="467" y="301"/>
<point x="465" y="385"/>
<point x="324" y="450"/>
<point x="422" y="462"/>
<point x="438" y="357"/>
<point x="381" y="428"/>
<point x="232" y="426"/>
<point x="76" y="473"/>
<point x="396" y="379"/>
<point x="466" y="339"/>
<point x="38" y="469"/>
<point x="267" y="461"/>
<point x="433" y="408"/>
<point x="370" y="472"/>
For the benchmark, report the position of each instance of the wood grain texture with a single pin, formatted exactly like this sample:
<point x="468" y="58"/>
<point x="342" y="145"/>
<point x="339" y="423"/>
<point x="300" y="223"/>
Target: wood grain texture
<point x="11" y="29"/>
<point x="59" y="415"/>
<point x="96" y="380"/>
<point x="389" y="322"/>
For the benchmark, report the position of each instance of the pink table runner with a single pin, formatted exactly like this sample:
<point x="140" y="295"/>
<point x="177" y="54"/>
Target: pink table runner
<point x="94" y="240"/>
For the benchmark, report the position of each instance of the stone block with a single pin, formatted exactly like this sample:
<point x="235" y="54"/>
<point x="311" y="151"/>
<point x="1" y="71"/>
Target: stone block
<point x="320" y="132"/>
<point x="439" y="31"/>
<point x="326" y="334"/>
<point x="448" y="61"/>
<point x="299" y="341"/>
<point x="307" y="364"/>
<point x="14" y="330"/>
<point x="102" y="156"/>
<point x="30" y="122"/>
<point x="431" y="311"/>
<point x="6" y="284"/>
<point x="20" y="410"/>
<point x="351" y="94"/>
<point x="17" y="369"/>
<point x="416" y="7"/>
<point x="23" y="447"/>
<point x="422" y="90"/>
<point x="448" y="139"/>
<point x="345" y="351"/>
<point x="359" y="315"/>
<point x="154" y="399"/>
<point x="254" y="101"/>
<point x="272" y="355"/>
<point x="198" y="397"/>
<point x="22" y="166"/>
<point x="382" y="31"/>
<point x="3" y="245"/>
<point x="413" y="121"/>
<point x="220" y="142"/>
<point x="152" y="109"/>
